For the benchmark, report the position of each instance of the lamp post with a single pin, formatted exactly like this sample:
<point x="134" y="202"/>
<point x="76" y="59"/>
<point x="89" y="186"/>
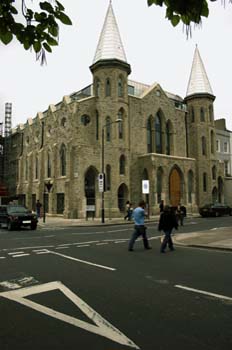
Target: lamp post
<point x="47" y="185"/>
<point x="119" y="120"/>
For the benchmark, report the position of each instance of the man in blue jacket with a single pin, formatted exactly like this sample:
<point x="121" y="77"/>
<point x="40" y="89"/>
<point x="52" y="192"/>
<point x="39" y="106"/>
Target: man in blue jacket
<point x="139" y="228"/>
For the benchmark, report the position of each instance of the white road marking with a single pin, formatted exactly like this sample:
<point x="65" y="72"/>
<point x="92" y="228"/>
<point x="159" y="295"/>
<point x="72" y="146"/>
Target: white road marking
<point x="83" y="261"/>
<point x="117" y="230"/>
<point x="83" y="245"/>
<point x="116" y="242"/>
<point x="64" y="247"/>
<point x="102" y="327"/>
<point x="19" y="255"/>
<point x="44" y="252"/>
<point x="102" y="243"/>
<point x="15" y="253"/>
<point x="39" y="250"/>
<point x="2" y="257"/>
<point x="218" y="296"/>
<point x="9" y="285"/>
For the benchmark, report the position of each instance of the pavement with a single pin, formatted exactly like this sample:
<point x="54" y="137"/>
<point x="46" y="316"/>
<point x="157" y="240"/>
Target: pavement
<point x="217" y="238"/>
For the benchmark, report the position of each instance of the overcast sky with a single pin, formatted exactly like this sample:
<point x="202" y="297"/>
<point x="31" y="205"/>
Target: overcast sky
<point x="156" y="51"/>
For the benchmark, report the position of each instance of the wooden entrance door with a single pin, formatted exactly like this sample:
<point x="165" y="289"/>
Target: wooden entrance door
<point x="175" y="188"/>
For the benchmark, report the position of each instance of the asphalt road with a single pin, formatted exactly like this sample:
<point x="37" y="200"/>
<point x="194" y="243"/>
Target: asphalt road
<point x="79" y="288"/>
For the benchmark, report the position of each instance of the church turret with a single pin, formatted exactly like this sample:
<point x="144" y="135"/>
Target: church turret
<point x="201" y="131"/>
<point x="110" y="68"/>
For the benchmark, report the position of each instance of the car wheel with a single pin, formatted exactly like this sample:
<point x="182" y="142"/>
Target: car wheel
<point x="33" y="226"/>
<point x="9" y="226"/>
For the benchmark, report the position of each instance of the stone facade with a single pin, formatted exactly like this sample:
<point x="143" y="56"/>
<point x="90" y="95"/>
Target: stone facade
<point x="161" y="137"/>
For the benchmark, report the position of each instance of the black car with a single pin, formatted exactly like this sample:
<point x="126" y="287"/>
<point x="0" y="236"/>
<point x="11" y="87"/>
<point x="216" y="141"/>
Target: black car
<point x="16" y="216"/>
<point x="215" y="210"/>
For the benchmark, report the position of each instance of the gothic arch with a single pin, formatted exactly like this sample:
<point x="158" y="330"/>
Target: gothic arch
<point x="169" y="137"/>
<point x="176" y="184"/>
<point x="122" y="196"/>
<point x="90" y="185"/>
<point x="220" y="189"/>
<point x="214" y="194"/>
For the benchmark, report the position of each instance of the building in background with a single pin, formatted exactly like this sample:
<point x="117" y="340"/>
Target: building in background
<point x="163" y="138"/>
<point x="224" y="154"/>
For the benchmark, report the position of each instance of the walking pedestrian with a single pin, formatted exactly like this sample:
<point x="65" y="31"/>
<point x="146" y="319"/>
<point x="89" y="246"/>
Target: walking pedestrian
<point x="139" y="228"/>
<point x="161" y="206"/>
<point x="38" y="208"/>
<point x="167" y="223"/>
<point x="180" y="213"/>
<point x="128" y="211"/>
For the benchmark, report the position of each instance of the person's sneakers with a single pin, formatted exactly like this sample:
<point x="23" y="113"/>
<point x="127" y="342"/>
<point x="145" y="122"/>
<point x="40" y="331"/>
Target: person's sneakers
<point x="130" y="250"/>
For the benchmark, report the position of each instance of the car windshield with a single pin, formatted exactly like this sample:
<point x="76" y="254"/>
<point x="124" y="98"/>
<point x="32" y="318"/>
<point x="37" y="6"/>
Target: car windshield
<point x="17" y="209"/>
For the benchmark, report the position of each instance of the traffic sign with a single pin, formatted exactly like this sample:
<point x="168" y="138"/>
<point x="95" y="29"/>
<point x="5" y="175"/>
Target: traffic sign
<point x="101" y="182"/>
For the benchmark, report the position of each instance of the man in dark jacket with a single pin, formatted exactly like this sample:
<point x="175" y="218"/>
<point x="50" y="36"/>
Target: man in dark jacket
<point x="166" y="224"/>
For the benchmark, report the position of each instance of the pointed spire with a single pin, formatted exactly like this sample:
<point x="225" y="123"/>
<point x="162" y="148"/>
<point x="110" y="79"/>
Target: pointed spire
<point x="198" y="81"/>
<point x="110" y="44"/>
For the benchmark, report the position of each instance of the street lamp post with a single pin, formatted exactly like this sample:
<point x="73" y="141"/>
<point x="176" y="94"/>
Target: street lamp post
<point x="47" y="185"/>
<point x="119" y="120"/>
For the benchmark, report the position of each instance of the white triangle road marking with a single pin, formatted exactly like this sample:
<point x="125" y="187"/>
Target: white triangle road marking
<point x="102" y="327"/>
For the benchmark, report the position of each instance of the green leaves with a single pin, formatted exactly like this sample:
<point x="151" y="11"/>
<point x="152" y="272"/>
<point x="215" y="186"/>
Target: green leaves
<point x="41" y="30"/>
<point x="6" y="37"/>
<point x="186" y="11"/>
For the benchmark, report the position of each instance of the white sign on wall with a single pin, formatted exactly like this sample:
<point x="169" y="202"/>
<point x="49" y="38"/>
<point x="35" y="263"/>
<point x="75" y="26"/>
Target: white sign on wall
<point x="145" y="186"/>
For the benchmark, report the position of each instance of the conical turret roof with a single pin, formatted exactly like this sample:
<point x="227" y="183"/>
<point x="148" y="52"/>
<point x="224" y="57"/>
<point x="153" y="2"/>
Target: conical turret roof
<point x="110" y="44"/>
<point x="198" y="81"/>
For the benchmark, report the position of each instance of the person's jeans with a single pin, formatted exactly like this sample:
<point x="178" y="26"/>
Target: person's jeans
<point x="139" y="230"/>
<point x="167" y="240"/>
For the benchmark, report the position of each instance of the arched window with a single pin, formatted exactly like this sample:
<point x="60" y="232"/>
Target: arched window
<point x="203" y="145"/>
<point x="190" y="186"/>
<point x="168" y="138"/>
<point x="97" y="125"/>
<point x="120" y="125"/>
<point x="108" y="129"/>
<point x="202" y="114"/>
<point x="97" y="87"/>
<point x="211" y="113"/>
<point x="149" y="135"/>
<point x="214" y="172"/>
<point x="108" y="87"/>
<point x="192" y="114"/>
<point x="108" y="177"/>
<point x="204" y="182"/>
<point x="36" y="167"/>
<point x="158" y="134"/>
<point x="49" y="165"/>
<point x="212" y="141"/>
<point x="62" y="160"/>
<point x="122" y="165"/>
<point x="120" y="87"/>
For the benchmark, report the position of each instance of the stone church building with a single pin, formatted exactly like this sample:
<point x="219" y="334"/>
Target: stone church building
<point x="126" y="129"/>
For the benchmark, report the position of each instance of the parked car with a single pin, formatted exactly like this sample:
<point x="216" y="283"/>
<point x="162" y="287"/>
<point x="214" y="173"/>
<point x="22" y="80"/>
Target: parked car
<point x="16" y="216"/>
<point x="215" y="210"/>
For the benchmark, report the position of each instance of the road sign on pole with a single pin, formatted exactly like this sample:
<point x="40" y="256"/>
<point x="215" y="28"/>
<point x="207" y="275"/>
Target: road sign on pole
<point x="145" y="186"/>
<point x="101" y="181"/>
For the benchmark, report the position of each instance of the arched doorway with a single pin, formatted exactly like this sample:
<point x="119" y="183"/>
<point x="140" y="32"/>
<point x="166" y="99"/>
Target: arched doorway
<point x="220" y="189"/>
<point x="175" y="187"/>
<point x="122" y="196"/>
<point x="90" y="185"/>
<point x="214" y="195"/>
